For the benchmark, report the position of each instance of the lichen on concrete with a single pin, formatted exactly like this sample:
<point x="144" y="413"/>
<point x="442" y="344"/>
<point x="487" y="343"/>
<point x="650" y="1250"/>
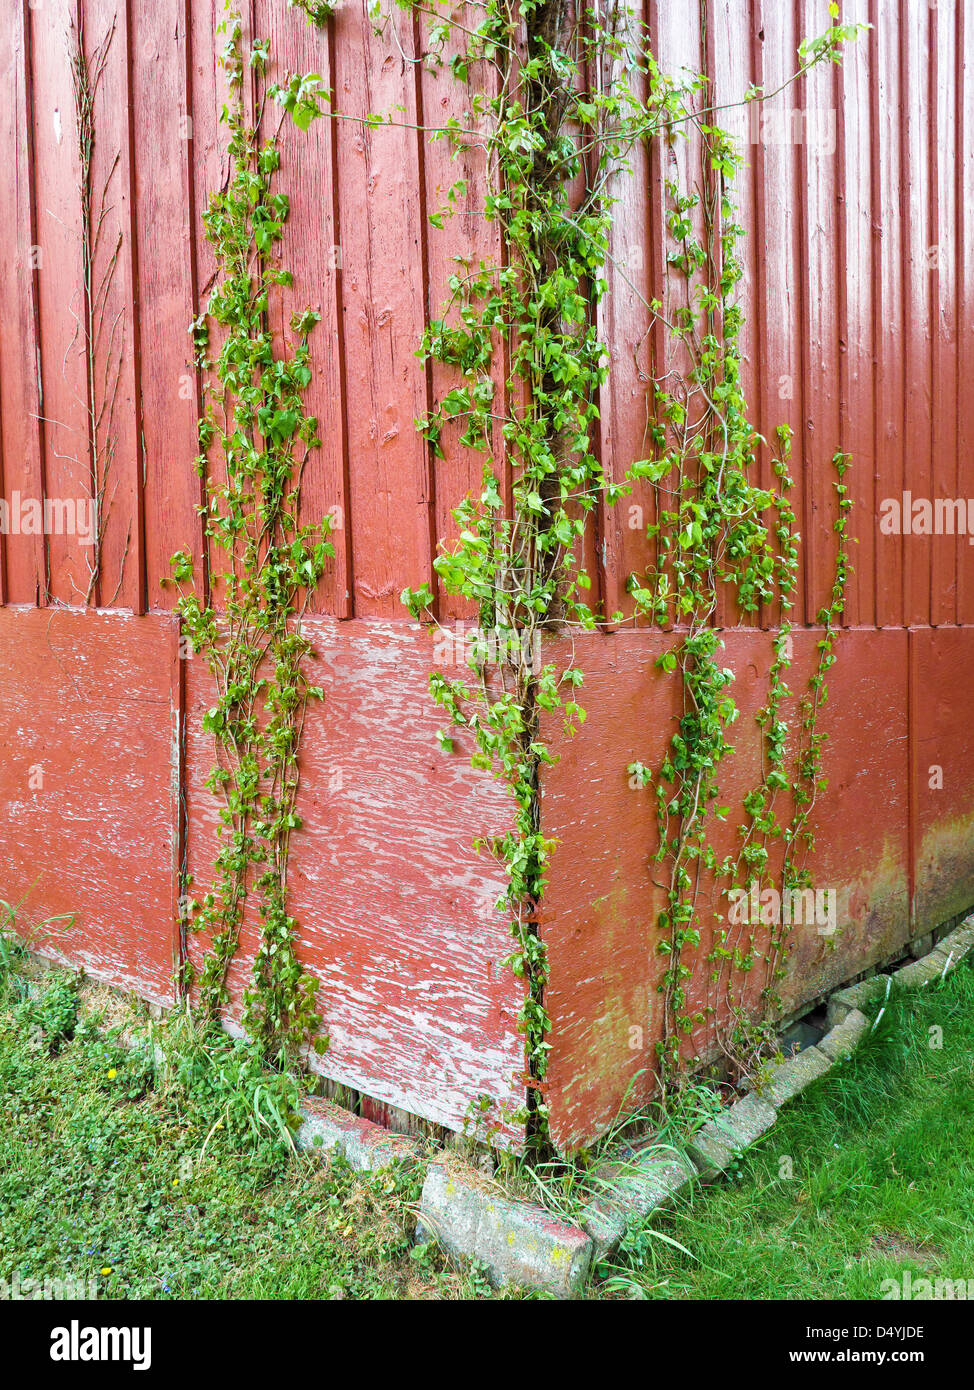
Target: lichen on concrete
<point x="720" y="1142"/>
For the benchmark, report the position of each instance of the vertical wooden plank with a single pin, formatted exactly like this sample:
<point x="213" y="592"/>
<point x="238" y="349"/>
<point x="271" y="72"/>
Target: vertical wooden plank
<point x="165" y="241"/>
<point x="625" y="402"/>
<point x="381" y="236"/>
<point x="680" y="45"/>
<point x="964" y="271"/>
<point x="856" y="212"/>
<point x="887" y="305"/>
<point x="208" y="163"/>
<point x="587" y="550"/>
<point x="728" y="59"/>
<point x="21" y="431"/>
<point x="779" y="187"/>
<point x="949" y="551"/>
<point x="764" y="403"/>
<point x="457" y="248"/>
<point x="64" y="382"/>
<point x="115" y="386"/>
<point x="653" y="345"/>
<point x="312" y="252"/>
<point x="823" y="242"/>
<point x="208" y="170"/>
<point x="915" y="347"/>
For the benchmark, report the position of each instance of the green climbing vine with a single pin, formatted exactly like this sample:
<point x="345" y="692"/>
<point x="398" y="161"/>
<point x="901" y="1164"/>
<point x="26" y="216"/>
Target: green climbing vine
<point x="724" y="544"/>
<point x="560" y="95"/>
<point x="574" y="89"/>
<point x="255" y="439"/>
<point x="317" y="12"/>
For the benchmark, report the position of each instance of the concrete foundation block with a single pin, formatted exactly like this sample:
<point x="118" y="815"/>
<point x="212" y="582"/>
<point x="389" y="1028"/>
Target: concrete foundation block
<point x="843" y="1040"/>
<point x="788" y="1079"/>
<point x="364" y="1145"/>
<point x="715" y="1147"/>
<point x="629" y="1190"/>
<point x="925" y="971"/>
<point x="959" y="942"/>
<point x="843" y="1001"/>
<point x="606" y="1224"/>
<point x="518" y="1242"/>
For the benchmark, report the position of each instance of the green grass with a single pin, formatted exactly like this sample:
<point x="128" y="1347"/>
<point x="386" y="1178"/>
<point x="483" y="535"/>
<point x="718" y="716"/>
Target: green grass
<point x="882" y="1156"/>
<point x="186" y="1186"/>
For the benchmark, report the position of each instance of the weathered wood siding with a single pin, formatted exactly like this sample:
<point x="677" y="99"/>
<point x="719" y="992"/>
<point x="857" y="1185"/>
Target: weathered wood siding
<point x="859" y="291"/>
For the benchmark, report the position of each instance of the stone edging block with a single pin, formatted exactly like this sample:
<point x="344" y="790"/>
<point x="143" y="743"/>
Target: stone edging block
<point x="843" y="1001"/>
<point x="843" y="1039"/>
<point x="517" y="1241"/>
<point x="949" y="950"/>
<point x="364" y="1145"/>
<point x="715" y="1147"/>
<point x="631" y="1189"/>
<point x="788" y="1079"/>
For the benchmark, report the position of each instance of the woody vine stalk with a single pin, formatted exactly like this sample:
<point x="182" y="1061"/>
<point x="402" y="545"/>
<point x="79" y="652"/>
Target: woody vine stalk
<point x="255" y="440"/>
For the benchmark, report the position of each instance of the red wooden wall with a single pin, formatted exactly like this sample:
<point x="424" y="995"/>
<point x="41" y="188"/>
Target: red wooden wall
<point x="860" y="304"/>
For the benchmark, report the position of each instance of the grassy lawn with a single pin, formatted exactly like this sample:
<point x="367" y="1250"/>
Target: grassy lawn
<point x="881" y="1157"/>
<point x="189" y="1189"/>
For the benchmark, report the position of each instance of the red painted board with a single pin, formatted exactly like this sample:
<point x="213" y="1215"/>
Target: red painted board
<point x="915" y="349"/>
<point x="396" y="909"/>
<point x="946" y="373"/>
<point x="857" y="296"/>
<point x="85" y="787"/>
<point x="116" y="333"/>
<point x="602" y="905"/>
<point x="942" y="670"/>
<point x="64" y="381"/>
<point x="20" y="428"/>
<point x="726" y="61"/>
<point x="457" y="248"/>
<point x="630" y="333"/>
<point x="164" y="142"/>
<point x="382" y="205"/>
<point x="779" y="184"/>
<point x="887" y="96"/>
<point x="208" y="172"/>
<point x="822" y="237"/>
<point x="312" y="252"/>
<point x="680" y="51"/>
